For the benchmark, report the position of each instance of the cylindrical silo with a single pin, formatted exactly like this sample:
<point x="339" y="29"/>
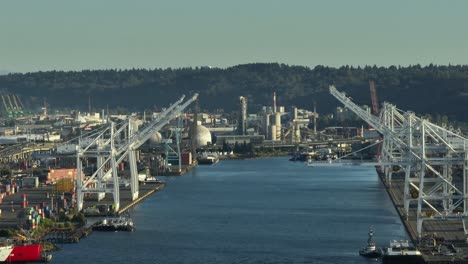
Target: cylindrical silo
<point x="273" y="132"/>
<point x="278" y="125"/>
<point x="266" y="125"/>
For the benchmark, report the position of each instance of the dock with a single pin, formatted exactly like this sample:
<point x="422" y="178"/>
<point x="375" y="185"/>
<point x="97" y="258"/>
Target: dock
<point x="11" y="210"/>
<point x="11" y="205"/>
<point x="126" y="202"/>
<point x="450" y="231"/>
<point x="182" y="171"/>
<point x="145" y="191"/>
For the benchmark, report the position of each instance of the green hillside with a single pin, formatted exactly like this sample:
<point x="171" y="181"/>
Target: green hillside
<point x="435" y="90"/>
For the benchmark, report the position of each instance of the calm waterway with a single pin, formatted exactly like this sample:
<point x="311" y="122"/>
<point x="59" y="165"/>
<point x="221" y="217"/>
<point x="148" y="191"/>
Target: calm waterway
<point x="251" y="211"/>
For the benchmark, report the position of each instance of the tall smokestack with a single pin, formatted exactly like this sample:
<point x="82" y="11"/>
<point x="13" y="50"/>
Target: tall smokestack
<point x="315" y="117"/>
<point x="274" y="102"/>
<point x="194" y="130"/>
<point x="89" y="105"/>
<point x="243" y="116"/>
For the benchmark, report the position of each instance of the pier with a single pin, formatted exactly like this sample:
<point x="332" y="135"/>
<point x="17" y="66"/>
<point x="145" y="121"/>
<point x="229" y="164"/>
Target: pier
<point x="450" y="231"/>
<point x="11" y="210"/>
<point x="145" y="191"/>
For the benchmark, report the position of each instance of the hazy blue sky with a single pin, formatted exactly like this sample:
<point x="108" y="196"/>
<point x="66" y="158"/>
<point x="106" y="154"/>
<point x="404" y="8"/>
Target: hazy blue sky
<point x="74" y="35"/>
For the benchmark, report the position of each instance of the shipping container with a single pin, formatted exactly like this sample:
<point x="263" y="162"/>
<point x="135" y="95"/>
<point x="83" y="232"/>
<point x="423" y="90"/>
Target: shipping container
<point x="186" y="158"/>
<point x="57" y="174"/>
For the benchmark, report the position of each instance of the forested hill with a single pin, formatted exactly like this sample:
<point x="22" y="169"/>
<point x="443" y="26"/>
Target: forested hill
<point x="435" y="90"/>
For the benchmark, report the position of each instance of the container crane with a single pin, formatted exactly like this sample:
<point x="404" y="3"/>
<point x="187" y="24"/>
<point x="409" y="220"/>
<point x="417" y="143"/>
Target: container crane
<point x="114" y="144"/>
<point x="15" y="102"/>
<point x="430" y="154"/>
<point x="10" y="103"/>
<point x="5" y="104"/>
<point x="19" y="101"/>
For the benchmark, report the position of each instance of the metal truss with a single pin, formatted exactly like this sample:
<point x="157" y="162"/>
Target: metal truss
<point x="428" y="155"/>
<point x="111" y="146"/>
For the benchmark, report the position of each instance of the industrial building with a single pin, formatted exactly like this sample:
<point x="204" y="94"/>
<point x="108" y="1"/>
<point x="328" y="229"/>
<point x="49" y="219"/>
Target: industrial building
<point x="240" y="139"/>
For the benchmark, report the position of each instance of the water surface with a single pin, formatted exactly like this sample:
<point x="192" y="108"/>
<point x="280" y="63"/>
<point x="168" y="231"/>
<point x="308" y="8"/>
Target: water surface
<point x="251" y="211"/>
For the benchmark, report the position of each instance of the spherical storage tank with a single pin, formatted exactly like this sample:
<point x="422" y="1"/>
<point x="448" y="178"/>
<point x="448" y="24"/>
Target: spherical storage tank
<point x="155" y="137"/>
<point x="203" y="136"/>
<point x="136" y="123"/>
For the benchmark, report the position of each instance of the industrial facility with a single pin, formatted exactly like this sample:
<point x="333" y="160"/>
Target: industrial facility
<point x="113" y="150"/>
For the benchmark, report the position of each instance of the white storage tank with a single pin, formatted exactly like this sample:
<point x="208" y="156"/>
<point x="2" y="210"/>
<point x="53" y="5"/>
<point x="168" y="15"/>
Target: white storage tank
<point x="155" y="137"/>
<point x="203" y="136"/>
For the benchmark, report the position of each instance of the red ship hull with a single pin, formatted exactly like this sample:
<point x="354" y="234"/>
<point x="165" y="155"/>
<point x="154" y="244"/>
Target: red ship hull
<point x="25" y="253"/>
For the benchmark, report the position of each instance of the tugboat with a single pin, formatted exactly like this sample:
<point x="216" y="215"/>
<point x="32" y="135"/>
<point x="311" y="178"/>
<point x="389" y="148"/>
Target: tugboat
<point x="371" y="250"/>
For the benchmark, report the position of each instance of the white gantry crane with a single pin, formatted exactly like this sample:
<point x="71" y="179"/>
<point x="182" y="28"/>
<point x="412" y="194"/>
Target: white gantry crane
<point x="110" y="147"/>
<point x="433" y="159"/>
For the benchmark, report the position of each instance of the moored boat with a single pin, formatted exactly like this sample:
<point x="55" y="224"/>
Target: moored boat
<point x="115" y="224"/>
<point x="27" y="253"/>
<point x="208" y="160"/>
<point x="152" y="180"/>
<point x="370" y="250"/>
<point x="400" y="251"/>
<point x="5" y="251"/>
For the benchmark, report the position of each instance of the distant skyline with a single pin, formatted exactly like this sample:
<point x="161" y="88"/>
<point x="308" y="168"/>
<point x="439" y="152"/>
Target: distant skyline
<point x="61" y="35"/>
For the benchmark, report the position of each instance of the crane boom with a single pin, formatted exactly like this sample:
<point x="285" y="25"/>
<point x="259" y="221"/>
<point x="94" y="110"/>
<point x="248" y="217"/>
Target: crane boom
<point x="141" y="137"/>
<point x="372" y="120"/>
<point x="9" y="101"/>
<point x="15" y="102"/>
<point x="20" y="102"/>
<point x="5" y="104"/>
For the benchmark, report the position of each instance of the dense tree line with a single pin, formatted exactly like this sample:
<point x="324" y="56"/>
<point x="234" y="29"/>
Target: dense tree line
<point x="436" y="90"/>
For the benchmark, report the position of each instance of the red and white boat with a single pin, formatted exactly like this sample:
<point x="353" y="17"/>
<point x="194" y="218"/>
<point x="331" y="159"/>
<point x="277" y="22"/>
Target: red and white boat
<point x="5" y="251"/>
<point x="27" y="253"/>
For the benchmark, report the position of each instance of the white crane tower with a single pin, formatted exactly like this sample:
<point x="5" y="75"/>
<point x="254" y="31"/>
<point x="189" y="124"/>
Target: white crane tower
<point x="428" y="155"/>
<point x="111" y="146"/>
